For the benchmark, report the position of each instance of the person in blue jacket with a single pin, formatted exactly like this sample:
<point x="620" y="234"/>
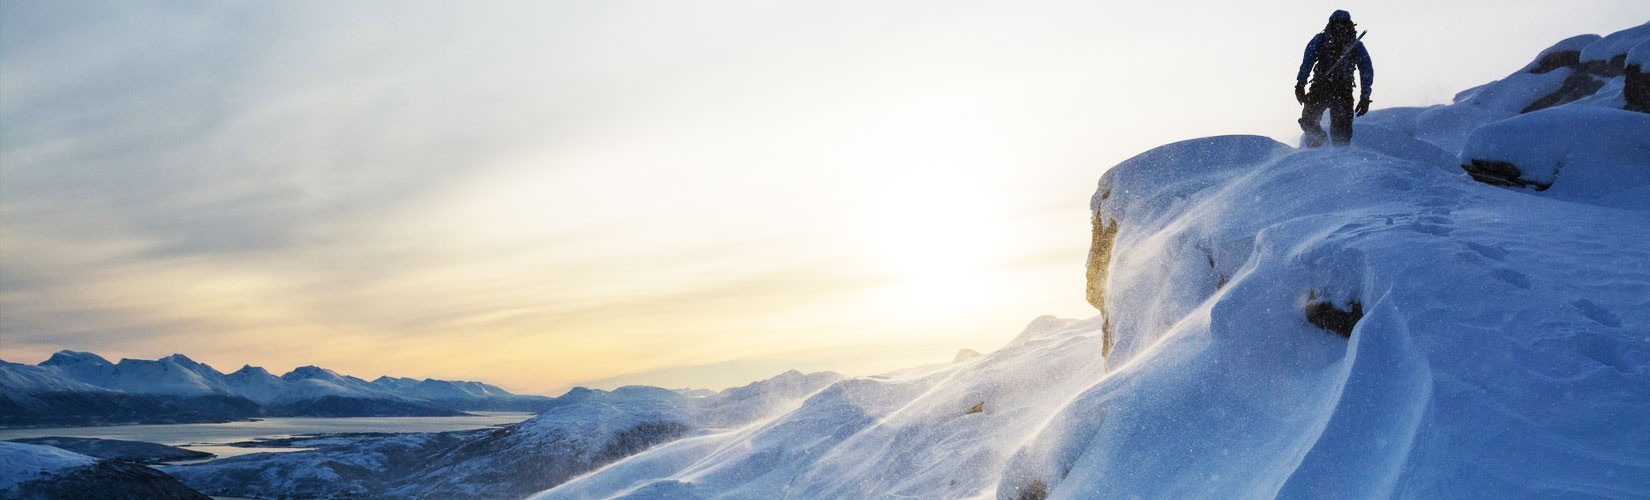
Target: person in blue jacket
<point x="1330" y="58"/>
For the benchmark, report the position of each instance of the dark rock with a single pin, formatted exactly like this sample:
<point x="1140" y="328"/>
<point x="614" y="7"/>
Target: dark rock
<point x="1578" y="85"/>
<point x="1103" y="236"/>
<point x="1556" y="60"/>
<point x="1327" y="316"/>
<point x="1637" y="90"/>
<point x="1037" y="490"/>
<point x="1585" y="79"/>
<point x="1500" y="173"/>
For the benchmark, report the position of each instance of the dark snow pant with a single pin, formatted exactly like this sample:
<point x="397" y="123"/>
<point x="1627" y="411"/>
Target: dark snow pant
<point x="1338" y="101"/>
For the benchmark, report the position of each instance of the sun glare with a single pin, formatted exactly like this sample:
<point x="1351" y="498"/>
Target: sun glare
<point x="937" y="236"/>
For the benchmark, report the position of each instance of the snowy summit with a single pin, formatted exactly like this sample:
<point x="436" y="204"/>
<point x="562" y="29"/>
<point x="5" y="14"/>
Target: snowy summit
<point x="1453" y="306"/>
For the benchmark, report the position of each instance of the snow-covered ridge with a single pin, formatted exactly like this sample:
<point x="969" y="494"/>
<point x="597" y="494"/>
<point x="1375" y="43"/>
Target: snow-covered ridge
<point x="1373" y="321"/>
<point x="1338" y="323"/>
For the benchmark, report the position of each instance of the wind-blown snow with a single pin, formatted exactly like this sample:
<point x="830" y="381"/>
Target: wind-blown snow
<point x="1504" y="347"/>
<point x="1362" y="322"/>
<point x="942" y="432"/>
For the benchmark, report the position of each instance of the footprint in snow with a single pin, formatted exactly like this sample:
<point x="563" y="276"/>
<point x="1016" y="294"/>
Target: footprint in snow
<point x="1512" y="277"/>
<point x="1492" y="253"/>
<point x="1597" y="313"/>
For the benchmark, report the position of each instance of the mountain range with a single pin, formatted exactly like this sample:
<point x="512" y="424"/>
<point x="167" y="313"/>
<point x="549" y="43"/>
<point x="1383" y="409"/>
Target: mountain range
<point x="81" y="388"/>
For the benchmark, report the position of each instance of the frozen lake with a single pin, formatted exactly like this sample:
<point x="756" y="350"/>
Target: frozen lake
<point x="213" y="438"/>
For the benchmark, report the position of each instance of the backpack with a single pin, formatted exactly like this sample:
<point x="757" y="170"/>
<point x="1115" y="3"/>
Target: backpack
<point x="1333" y="43"/>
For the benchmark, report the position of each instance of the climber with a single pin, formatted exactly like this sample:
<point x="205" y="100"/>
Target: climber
<point x="1330" y="58"/>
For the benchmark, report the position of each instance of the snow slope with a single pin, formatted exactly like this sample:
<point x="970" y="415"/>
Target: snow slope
<point x="941" y="432"/>
<point x="1458" y="305"/>
<point x="579" y="431"/>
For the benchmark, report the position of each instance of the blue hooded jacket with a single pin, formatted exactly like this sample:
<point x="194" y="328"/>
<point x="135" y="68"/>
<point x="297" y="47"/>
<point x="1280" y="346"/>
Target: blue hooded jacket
<point x="1358" y="57"/>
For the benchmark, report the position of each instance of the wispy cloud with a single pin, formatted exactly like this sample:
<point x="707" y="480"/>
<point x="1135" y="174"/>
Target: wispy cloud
<point x="545" y="194"/>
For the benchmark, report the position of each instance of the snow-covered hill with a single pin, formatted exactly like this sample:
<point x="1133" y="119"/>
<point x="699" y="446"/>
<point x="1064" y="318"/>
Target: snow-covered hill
<point x="1457" y="305"/>
<point x="938" y="432"/>
<point x="45" y="472"/>
<point x="79" y="388"/>
<point x="580" y="431"/>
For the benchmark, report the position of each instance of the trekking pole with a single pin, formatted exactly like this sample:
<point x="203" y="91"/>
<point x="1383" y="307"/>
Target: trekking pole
<point x="1338" y="61"/>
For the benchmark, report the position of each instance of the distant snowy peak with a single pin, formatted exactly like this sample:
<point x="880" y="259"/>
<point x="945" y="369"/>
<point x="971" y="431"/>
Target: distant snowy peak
<point x="191" y="365"/>
<point x="312" y="373"/>
<point x="438" y="389"/>
<point x="163" y="376"/>
<point x="75" y="358"/>
<point x="251" y="371"/>
<point x="85" y="366"/>
<point x="256" y="383"/>
<point x="18" y="380"/>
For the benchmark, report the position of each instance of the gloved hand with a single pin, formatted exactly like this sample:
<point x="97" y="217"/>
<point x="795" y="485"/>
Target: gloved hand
<point x="1300" y="93"/>
<point x="1363" y="106"/>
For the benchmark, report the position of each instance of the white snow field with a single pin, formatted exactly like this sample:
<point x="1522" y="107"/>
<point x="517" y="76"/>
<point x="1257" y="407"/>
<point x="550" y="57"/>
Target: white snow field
<point x="1360" y="322"/>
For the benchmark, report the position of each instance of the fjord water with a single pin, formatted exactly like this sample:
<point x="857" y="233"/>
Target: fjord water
<point x="214" y="438"/>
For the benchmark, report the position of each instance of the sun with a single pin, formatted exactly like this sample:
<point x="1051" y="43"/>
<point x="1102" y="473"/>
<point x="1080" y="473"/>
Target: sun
<point x="938" y="239"/>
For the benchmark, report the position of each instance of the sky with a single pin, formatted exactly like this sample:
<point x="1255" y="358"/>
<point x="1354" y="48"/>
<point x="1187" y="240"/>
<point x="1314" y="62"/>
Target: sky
<point x="675" y="193"/>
